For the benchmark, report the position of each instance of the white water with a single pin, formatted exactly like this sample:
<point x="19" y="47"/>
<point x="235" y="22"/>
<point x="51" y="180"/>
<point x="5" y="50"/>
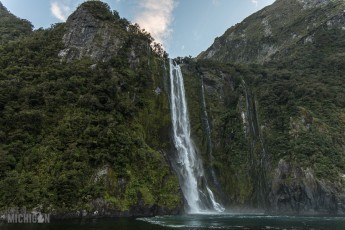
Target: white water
<point x="188" y="165"/>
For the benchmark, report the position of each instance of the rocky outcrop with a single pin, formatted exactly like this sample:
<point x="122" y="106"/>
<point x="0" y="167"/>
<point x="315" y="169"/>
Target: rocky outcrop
<point x="87" y="36"/>
<point x="274" y="29"/>
<point x="337" y="22"/>
<point x="297" y="190"/>
<point x="313" y="3"/>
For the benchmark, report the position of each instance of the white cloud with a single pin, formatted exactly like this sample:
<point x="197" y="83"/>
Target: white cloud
<point x="156" y="16"/>
<point x="60" y="11"/>
<point x="255" y="2"/>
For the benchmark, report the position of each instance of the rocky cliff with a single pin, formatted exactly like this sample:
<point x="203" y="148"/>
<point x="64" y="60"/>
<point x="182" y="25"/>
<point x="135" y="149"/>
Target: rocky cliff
<point x="93" y="32"/>
<point x="85" y="120"/>
<point x="276" y="124"/>
<point x="79" y="105"/>
<point x="275" y="30"/>
<point x="277" y="142"/>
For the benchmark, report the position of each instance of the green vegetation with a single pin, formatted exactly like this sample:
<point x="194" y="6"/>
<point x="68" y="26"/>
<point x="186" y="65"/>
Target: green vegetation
<point x="12" y="27"/>
<point x="282" y="68"/>
<point x="74" y="132"/>
<point x="81" y="132"/>
<point x="230" y="147"/>
<point x="303" y="104"/>
<point x="300" y="111"/>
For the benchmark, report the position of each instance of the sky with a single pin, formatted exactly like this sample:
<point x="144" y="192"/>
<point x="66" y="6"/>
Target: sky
<point x="184" y="27"/>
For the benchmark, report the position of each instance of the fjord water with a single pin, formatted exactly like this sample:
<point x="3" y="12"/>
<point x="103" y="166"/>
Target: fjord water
<point x="232" y="221"/>
<point x="190" y="222"/>
<point x="187" y="164"/>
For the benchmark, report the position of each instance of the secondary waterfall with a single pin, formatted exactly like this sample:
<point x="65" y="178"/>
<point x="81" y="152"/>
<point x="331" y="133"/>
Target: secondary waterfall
<point x="188" y="166"/>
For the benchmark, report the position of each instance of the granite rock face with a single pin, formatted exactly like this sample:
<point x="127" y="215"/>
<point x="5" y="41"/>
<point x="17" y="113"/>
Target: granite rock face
<point x="273" y="30"/>
<point x="337" y="22"/>
<point x="313" y="3"/>
<point x="297" y="190"/>
<point x="88" y="36"/>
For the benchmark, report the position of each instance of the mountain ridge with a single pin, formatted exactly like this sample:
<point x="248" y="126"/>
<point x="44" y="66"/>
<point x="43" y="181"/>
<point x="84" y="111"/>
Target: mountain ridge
<point x="80" y="102"/>
<point x="272" y="30"/>
<point x="78" y="133"/>
<point x="12" y="27"/>
<point x="91" y="30"/>
<point x="274" y="102"/>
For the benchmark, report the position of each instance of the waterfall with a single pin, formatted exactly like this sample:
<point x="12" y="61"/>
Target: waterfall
<point x="259" y="166"/>
<point x="208" y="132"/>
<point x="198" y="195"/>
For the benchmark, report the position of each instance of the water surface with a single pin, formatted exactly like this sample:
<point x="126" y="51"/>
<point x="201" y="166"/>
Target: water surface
<point x="193" y="222"/>
<point x="232" y="221"/>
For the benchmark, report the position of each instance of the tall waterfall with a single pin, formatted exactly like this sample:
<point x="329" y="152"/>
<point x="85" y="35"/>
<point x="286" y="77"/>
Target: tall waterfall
<point x="188" y="166"/>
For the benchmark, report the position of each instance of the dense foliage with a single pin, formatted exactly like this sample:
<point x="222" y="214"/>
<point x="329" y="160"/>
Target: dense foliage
<point x="74" y="132"/>
<point x="300" y="107"/>
<point x="12" y="27"/>
<point x="304" y="103"/>
<point x="83" y="134"/>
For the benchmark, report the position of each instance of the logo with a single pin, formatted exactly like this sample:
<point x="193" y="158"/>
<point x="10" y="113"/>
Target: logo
<point x="22" y="217"/>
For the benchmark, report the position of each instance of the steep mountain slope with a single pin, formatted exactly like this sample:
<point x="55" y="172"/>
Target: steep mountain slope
<point x="85" y="122"/>
<point x="275" y="29"/>
<point x="276" y="128"/>
<point x="79" y="105"/>
<point x="276" y="135"/>
<point x="12" y="27"/>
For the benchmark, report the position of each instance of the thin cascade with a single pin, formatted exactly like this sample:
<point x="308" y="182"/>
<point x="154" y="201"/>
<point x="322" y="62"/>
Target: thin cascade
<point x="198" y="195"/>
<point x="208" y="132"/>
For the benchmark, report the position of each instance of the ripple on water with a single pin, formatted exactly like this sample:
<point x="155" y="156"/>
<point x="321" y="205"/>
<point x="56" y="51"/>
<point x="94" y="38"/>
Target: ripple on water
<point x="255" y="221"/>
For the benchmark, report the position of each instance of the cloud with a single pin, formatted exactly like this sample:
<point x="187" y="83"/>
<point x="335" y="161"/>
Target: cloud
<point x="60" y="11"/>
<point x="255" y="2"/>
<point x="156" y="16"/>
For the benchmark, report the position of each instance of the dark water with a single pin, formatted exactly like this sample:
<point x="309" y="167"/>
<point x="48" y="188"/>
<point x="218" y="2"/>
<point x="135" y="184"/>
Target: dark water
<point x="191" y="222"/>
